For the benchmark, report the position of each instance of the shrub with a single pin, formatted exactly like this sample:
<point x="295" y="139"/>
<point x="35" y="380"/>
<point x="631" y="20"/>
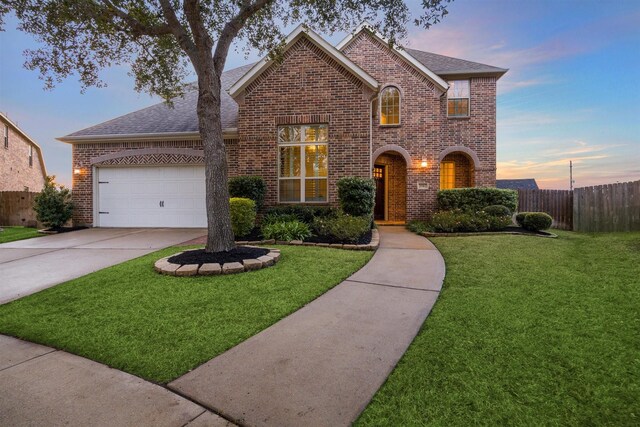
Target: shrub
<point x="520" y="218"/>
<point x="499" y="222"/>
<point x="271" y="218"/>
<point x="248" y="187"/>
<point x="475" y="199"/>
<point x="455" y="221"/>
<point x="53" y="205"/>
<point x="243" y="215"/>
<point x="357" y="195"/>
<point x="305" y="214"/>
<point x="287" y="231"/>
<point x="418" y="226"/>
<point x="536" y="221"/>
<point x="497" y="210"/>
<point x="345" y="228"/>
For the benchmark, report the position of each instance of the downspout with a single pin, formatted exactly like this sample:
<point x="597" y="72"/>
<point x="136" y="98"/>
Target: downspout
<point x="371" y="138"/>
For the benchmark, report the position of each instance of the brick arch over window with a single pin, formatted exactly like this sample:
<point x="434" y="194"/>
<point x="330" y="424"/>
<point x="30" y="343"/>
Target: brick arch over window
<point x="146" y="156"/>
<point x="461" y="148"/>
<point x="392" y="147"/>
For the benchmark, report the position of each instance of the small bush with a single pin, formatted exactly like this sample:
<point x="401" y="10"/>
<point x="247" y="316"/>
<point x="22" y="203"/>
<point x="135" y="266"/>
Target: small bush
<point x="345" y="228"/>
<point x="53" y="205"/>
<point x="357" y="195"/>
<point x="287" y="231"/>
<point x="499" y="222"/>
<point x="243" y="215"/>
<point x="520" y="218"/>
<point x="418" y="226"/>
<point x="456" y="221"/>
<point x="475" y="199"/>
<point x="248" y="187"/>
<point x="305" y="214"/>
<point x="536" y="221"/>
<point x="271" y="218"/>
<point x="497" y="210"/>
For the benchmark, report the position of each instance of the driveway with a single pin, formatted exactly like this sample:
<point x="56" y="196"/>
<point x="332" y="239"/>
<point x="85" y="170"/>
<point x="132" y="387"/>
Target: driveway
<point x="28" y="266"/>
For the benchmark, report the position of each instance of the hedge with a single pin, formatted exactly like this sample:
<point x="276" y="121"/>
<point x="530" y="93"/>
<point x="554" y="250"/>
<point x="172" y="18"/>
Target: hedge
<point x="248" y="187"/>
<point x="357" y="195"/>
<point x="475" y="199"/>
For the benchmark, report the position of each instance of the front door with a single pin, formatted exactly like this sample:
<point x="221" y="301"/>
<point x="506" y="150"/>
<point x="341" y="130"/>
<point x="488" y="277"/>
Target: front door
<point x="378" y="176"/>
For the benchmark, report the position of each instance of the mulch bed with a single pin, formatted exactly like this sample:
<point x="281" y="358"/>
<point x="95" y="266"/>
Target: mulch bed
<point x="255" y="235"/>
<point x="199" y="256"/>
<point x="364" y="240"/>
<point x="508" y="230"/>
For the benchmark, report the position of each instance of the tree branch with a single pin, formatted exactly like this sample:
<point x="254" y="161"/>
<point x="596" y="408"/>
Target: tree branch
<point x="184" y="40"/>
<point x="135" y="26"/>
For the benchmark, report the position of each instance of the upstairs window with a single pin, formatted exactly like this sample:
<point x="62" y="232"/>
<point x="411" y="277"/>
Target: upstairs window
<point x="458" y="98"/>
<point x="31" y="155"/>
<point x="302" y="164"/>
<point x="390" y="106"/>
<point x="6" y="136"/>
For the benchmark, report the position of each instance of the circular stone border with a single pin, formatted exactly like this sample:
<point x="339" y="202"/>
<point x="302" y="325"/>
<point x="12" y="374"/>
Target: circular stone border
<point x="163" y="266"/>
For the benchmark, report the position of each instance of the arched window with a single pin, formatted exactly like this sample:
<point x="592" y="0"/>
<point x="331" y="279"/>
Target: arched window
<point x="390" y="106"/>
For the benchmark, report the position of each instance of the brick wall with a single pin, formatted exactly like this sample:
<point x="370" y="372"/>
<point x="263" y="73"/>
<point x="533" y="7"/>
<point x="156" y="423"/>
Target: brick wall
<point x="307" y="87"/>
<point x="15" y="172"/>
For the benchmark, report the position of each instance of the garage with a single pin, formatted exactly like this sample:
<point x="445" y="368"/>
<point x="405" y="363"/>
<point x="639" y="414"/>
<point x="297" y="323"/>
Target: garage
<point x="150" y="196"/>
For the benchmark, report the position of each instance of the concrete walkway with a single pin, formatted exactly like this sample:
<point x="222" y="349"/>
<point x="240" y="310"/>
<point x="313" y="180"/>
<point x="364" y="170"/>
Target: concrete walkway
<point x="45" y="387"/>
<point x="28" y="266"/>
<point x="321" y="365"/>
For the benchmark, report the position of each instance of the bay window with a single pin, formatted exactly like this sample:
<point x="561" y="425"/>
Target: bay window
<point x="458" y="96"/>
<point x="302" y="163"/>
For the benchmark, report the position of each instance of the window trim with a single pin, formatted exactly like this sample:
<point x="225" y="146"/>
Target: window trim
<point x="30" y="155"/>
<point x="467" y="98"/>
<point x="303" y="167"/>
<point x="6" y="136"/>
<point x="396" y="87"/>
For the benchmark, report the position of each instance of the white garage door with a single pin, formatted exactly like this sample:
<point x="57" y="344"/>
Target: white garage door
<point x="151" y="197"/>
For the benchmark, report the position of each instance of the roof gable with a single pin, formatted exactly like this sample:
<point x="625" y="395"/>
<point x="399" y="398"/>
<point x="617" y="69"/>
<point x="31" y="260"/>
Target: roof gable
<point x="291" y="39"/>
<point x="517" y="184"/>
<point x="439" y="83"/>
<point x="23" y="134"/>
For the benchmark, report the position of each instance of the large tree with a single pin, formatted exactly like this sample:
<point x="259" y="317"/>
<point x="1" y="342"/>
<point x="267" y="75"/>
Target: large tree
<point x="165" y="41"/>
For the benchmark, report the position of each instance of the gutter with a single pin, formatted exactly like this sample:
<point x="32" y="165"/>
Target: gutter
<point x="228" y="133"/>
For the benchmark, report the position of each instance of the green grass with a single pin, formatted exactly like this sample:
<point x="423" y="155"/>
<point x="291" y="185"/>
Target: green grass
<point x="11" y="234"/>
<point x="159" y="327"/>
<point x="527" y="331"/>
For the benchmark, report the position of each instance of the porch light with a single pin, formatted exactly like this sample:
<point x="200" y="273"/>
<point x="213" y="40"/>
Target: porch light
<point x="423" y="163"/>
<point x="77" y="171"/>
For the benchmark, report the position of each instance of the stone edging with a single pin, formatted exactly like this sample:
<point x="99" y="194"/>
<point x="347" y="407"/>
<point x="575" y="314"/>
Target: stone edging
<point x="163" y="266"/>
<point x="490" y="233"/>
<point x="371" y="246"/>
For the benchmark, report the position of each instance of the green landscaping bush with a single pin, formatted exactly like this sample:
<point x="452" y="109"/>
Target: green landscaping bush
<point x="418" y="226"/>
<point x="53" y="204"/>
<point x="303" y="213"/>
<point x="248" y="187"/>
<point x="287" y="231"/>
<point x="457" y="221"/>
<point x="499" y="222"/>
<point x="345" y="228"/>
<point x="475" y="199"/>
<point x="520" y="218"/>
<point x="357" y="195"/>
<point x="497" y="210"/>
<point x="271" y="218"/>
<point x="243" y="215"/>
<point x="536" y="221"/>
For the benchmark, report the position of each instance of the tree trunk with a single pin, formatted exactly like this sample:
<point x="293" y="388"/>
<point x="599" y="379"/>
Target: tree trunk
<point x="219" y="233"/>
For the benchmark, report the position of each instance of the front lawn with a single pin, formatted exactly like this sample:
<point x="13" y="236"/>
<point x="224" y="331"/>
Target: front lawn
<point x="159" y="327"/>
<point x="527" y="331"/>
<point x="11" y="234"/>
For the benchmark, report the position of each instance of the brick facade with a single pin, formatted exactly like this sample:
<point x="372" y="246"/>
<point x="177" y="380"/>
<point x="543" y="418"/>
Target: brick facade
<point x="15" y="172"/>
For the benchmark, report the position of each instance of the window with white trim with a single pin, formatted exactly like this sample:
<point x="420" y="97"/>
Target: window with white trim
<point x="6" y="136"/>
<point x="458" y="96"/>
<point x="30" y="155"/>
<point x="390" y="106"/>
<point x="303" y="163"/>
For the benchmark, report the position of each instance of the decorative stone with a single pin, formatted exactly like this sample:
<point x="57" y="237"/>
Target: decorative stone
<point x="166" y="267"/>
<point x="281" y="242"/>
<point x="308" y="244"/>
<point x="274" y="255"/>
<point x="296" y="242"/>
<point x="232" y="267"/>
<point x="252" y="264"/>
<point x="242" y="242"/>
<point x="324" y="245"/>
<point x="187" y="270"/>
<point x="274" y="250"/>
<point x="350" y="247"/>
<point x="268" y="242"/>
<point x="266" y="260"/>
<point x="210" y="269"/>
<point x="337" y="245"/>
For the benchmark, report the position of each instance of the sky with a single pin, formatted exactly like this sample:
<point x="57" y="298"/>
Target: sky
<point x="572" y="91"/>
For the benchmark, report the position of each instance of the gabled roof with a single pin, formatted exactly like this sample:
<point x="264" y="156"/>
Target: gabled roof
<point x="429" y="74"/>
<point x="517" y="184"/>
<point x="22" y="133"/>
<point x="446" y="65"/>
<point x="295" y="35"/>
<point x="161" y="120"/>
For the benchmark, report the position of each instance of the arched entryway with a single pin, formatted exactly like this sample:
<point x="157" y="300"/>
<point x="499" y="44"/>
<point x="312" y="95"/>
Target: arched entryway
<point x="390" y="175"/>
<point x="457" y="170"/>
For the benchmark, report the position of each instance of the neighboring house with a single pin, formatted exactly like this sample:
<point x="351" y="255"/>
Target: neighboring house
<point x="517" y="184"/>
<point x="21" y="162"/>
<point x="415" y="121"/>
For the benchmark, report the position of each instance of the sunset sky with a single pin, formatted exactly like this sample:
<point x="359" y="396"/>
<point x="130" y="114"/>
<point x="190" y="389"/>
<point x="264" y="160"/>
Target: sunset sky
<point x="572" y="92"/>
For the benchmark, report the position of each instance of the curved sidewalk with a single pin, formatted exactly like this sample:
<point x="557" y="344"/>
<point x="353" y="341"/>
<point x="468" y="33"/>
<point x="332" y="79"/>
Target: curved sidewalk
<point x="321" y="365"/>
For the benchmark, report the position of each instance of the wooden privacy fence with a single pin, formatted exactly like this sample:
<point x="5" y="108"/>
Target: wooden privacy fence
<point x="613" y="207"/>
<point x="16" y="208"/>
<point x="557" y="203"/>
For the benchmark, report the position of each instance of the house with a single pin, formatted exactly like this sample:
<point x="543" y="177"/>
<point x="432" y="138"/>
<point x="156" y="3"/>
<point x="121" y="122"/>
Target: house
<point x="415" y="121"/>
<point x="21" y="163"/>
<point x="517" y="184"/>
